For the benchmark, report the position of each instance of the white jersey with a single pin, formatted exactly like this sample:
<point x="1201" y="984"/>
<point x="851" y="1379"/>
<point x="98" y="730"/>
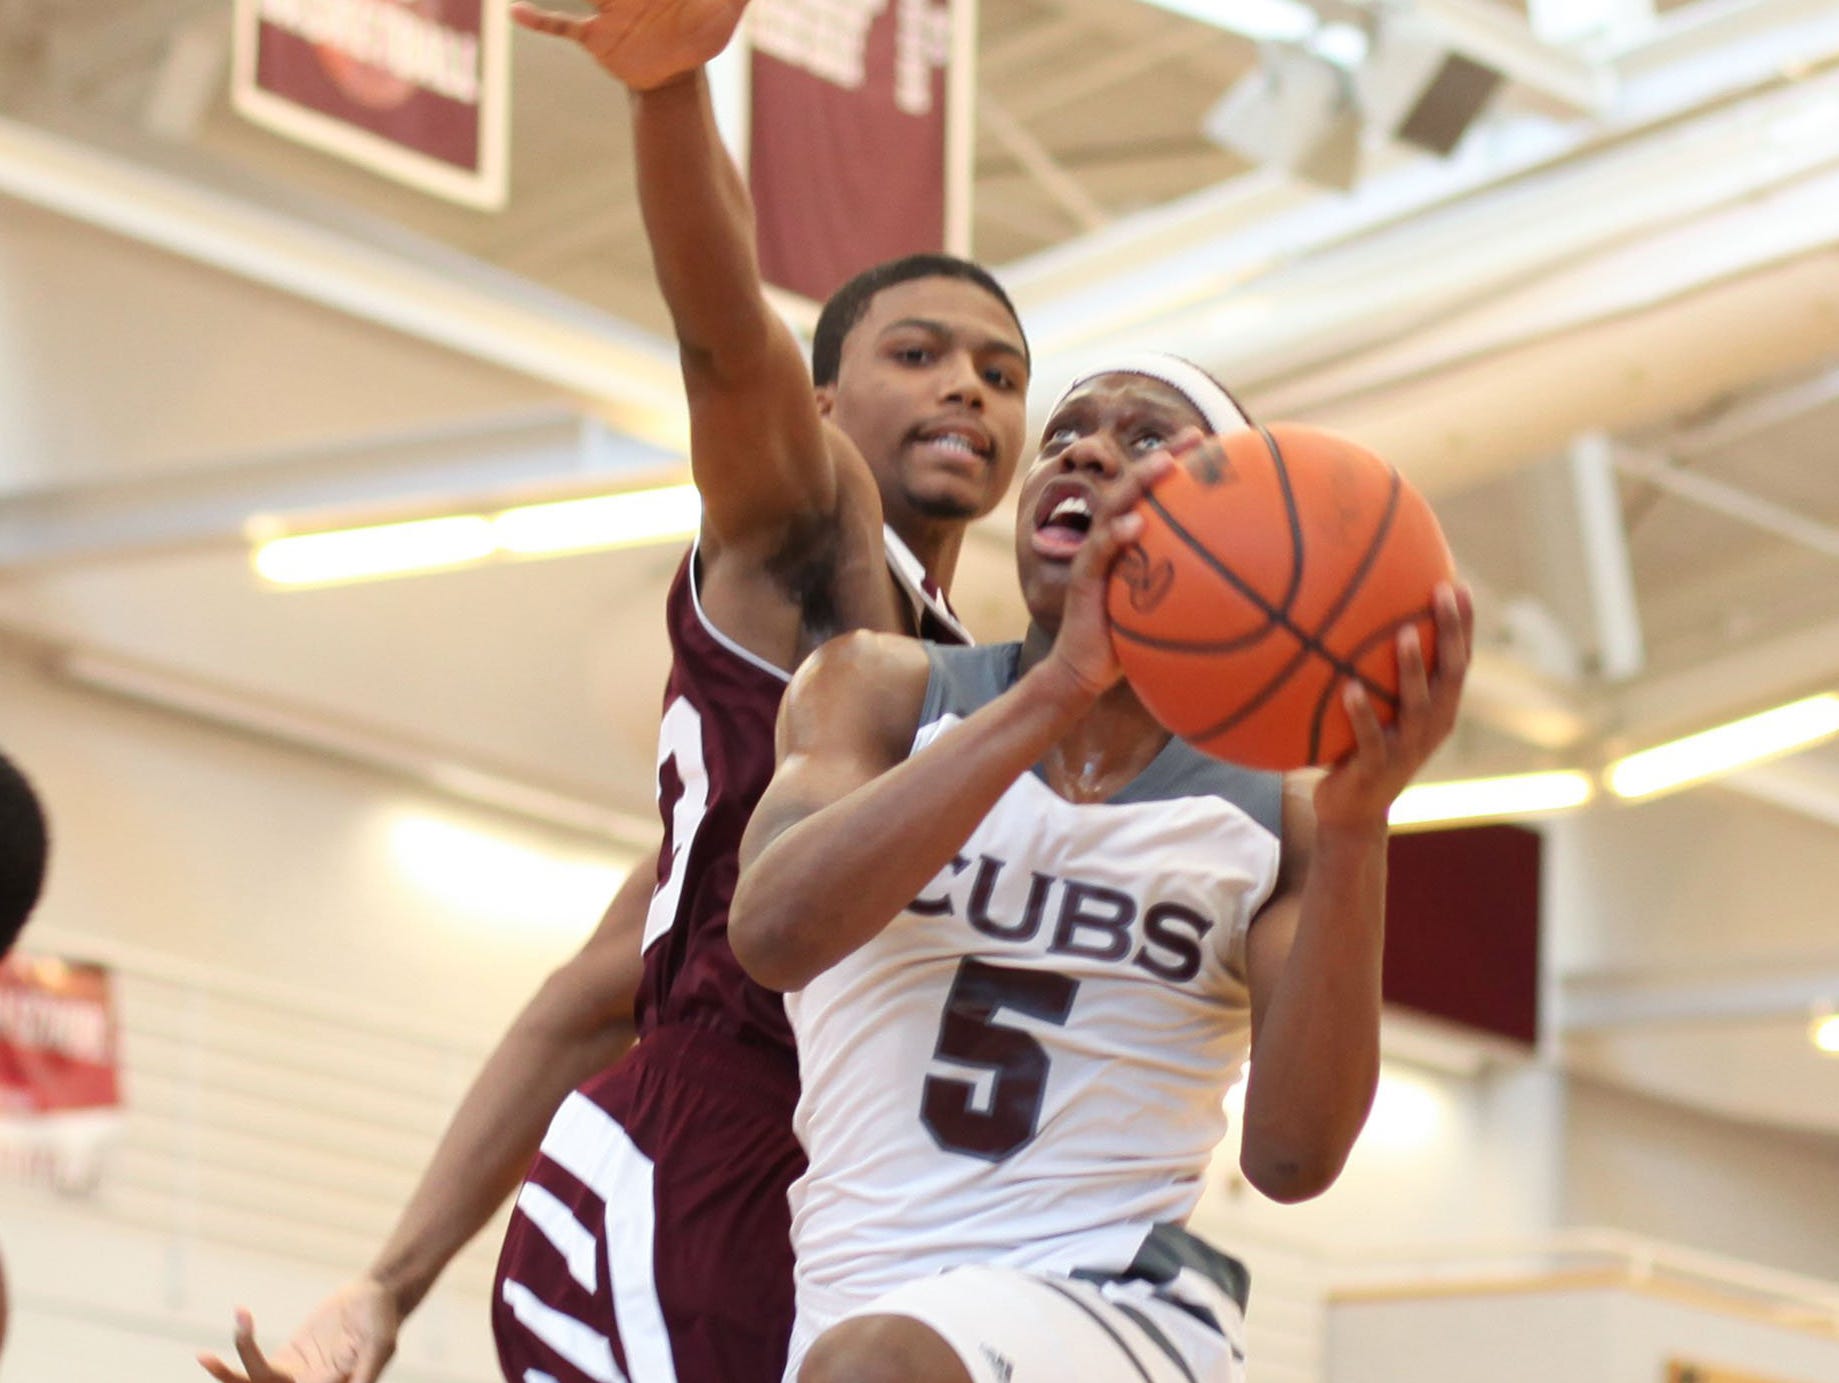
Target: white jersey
<point x="1026" y="1067"/>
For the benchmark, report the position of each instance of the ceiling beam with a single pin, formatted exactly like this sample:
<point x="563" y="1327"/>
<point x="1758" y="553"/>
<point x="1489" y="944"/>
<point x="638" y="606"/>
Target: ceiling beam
<point x="1804" y="783"/>
<point x="1589" y="1004"/>
<point x="1609" y="577"/>
<point x="1752" y="677"/>
<point x="1103" y="72"/>
<point x="469" y="778"/>
<point x="1732" y="501"/>
<point x="1499" y="38"/>
<point x="1194" y="250"/>
<point x="423" y="290"/>
<point x="1357" y="295"/>
<point x="1756" y="411"/>
<point x="475" y="464"/>
<point x="1061" y="187"/>
<point x="189" y="77"/>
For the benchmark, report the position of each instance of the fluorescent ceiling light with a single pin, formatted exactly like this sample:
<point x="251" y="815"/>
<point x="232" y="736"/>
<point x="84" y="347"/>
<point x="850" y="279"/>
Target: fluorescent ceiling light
<point x="1278" y="21"/>
<point x="1268" y="21"/>
<point x="1342" y="44"/>
<point x="1407" y="1114"/>
<point x="1482" y="799"/>
<point x="1726" y="748"/>
<point x="624" y="520"/>
<point x="396" y="549"/>
<point x="389" y="549"/>
<point x="1825" y="1033"/>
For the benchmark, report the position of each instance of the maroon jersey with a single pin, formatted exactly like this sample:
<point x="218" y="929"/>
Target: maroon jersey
<point x="715" y="758"/>
<point x="653" y="1240"/>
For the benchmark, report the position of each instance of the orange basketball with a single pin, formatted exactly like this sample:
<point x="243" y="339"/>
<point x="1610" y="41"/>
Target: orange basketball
<point x="1260" y="586"/>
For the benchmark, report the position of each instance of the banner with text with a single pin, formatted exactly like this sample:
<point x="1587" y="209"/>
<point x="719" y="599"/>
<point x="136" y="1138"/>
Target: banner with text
<point x="858" y="138"/>
<point x="415" y="90"/>
<point x="60" y="1086"/>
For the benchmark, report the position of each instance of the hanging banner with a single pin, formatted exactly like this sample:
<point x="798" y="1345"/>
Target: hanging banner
<point x="859" y="136"/>
<point x="415" y="90"/>
<point x="1462" y="929"/>
<point x="60" y="1087"/>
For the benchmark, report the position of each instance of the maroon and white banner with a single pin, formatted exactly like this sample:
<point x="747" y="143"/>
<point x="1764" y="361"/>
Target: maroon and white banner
<point x="60" y="1086"/>
<point x="415" y="90"/>
<point x="859" y="135"/>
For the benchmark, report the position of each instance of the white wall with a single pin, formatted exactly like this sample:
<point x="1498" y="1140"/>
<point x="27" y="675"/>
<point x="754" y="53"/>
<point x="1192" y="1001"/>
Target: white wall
<point x="1703" y="879"/>
<point x="1671" y="1173"/>
<point x="302" y="1003"/>
<point x="1601" y="1335"/>
<point x="1715" y="895"/>
<point x="260" y="861"/>
<point x="1444" y="1159"/>
<point x="115" y="358"/>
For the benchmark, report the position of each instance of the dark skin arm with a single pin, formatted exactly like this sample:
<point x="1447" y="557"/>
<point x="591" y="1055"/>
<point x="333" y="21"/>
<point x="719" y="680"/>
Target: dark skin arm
<point x="1315" y="950"/>
<point x="578" y="1023"/>
<point x="772" y="473"/>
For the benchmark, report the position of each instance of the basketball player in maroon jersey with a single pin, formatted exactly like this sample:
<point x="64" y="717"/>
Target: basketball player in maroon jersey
<point x="651" y="1237"/>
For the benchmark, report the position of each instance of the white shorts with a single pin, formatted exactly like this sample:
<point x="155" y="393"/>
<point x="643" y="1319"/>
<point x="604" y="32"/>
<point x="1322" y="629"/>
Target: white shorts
<point x="1008" y="1325"/>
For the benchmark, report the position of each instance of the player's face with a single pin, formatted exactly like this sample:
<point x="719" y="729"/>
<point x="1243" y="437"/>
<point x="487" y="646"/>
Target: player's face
<point x="1099" y="430"/>
<point x="931" y="386"/>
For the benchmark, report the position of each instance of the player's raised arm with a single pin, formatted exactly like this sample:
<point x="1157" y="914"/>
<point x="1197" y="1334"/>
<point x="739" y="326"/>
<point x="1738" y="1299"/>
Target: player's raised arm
<point x="759" y="452"/>
<point x="1315" y="950"/>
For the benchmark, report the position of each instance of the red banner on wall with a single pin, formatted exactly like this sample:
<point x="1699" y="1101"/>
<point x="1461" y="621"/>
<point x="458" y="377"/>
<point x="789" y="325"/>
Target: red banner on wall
<point x="1462" y="928"/>
<point x="412" y="89"/>
<point x="858" y="150"/>
<point x="60" y="1087"/>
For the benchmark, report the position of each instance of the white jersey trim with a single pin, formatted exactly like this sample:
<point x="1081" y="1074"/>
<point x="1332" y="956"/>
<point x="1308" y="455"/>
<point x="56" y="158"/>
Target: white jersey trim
<point x="576" y="1341"/>
<point x="567" y="1235"/>
<point x="907" y="569"/>
<point x="702" y="617"/>
<point x="911" y="573"/>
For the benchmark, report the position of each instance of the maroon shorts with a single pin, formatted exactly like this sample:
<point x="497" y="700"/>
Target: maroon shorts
<point x="651" y="1240"/>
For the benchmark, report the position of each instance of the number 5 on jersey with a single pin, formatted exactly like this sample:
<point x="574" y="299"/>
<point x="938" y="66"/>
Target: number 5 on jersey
<point x="969" y="1035"/>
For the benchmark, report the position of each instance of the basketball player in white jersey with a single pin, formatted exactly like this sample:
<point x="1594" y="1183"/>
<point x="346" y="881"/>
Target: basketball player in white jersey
<point x="671" y="1163"/>
<point x="1026" y="938"/>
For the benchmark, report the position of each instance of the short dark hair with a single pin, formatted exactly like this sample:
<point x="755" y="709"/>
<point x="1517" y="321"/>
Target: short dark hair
<point x="23" y="847"/>
<point x="846" y="306"/>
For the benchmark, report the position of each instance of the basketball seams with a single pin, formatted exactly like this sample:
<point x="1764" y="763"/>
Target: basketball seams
<point x="1311" y="641"/>
<point x="1349" y="589"/>
<point x="1270" y="700"/>
<point x="1378" y="636"/>
<point x="1277" y="613"/>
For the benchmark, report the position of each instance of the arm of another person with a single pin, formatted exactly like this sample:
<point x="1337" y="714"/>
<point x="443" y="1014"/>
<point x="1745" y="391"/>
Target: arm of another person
<point x="759" y="452"/>
<point x="1315" y="950"/>
<point x="578" y="1023"/>
<point x="851" y="829"/>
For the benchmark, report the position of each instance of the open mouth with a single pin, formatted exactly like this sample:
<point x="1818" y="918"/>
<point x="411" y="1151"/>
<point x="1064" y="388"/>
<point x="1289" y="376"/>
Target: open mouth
<point x="1062" y="518"/>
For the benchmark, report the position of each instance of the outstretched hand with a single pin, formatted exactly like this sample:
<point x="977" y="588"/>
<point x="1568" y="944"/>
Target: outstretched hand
<point x="348" y="1339"/>
<point x="1083" y="644"/>
<point x="1359" y="790"/>
<point x="645" y="43"/>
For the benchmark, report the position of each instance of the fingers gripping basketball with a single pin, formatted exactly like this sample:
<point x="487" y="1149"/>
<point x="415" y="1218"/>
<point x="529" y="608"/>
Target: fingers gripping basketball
<point x="1273" y="568"/>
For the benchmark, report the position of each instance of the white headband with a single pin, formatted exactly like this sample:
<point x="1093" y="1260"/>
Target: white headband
<point x="1194" y="384"/>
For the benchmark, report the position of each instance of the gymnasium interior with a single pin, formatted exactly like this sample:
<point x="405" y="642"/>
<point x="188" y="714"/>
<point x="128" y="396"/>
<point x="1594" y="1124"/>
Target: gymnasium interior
<point x="1570" y="265"/>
